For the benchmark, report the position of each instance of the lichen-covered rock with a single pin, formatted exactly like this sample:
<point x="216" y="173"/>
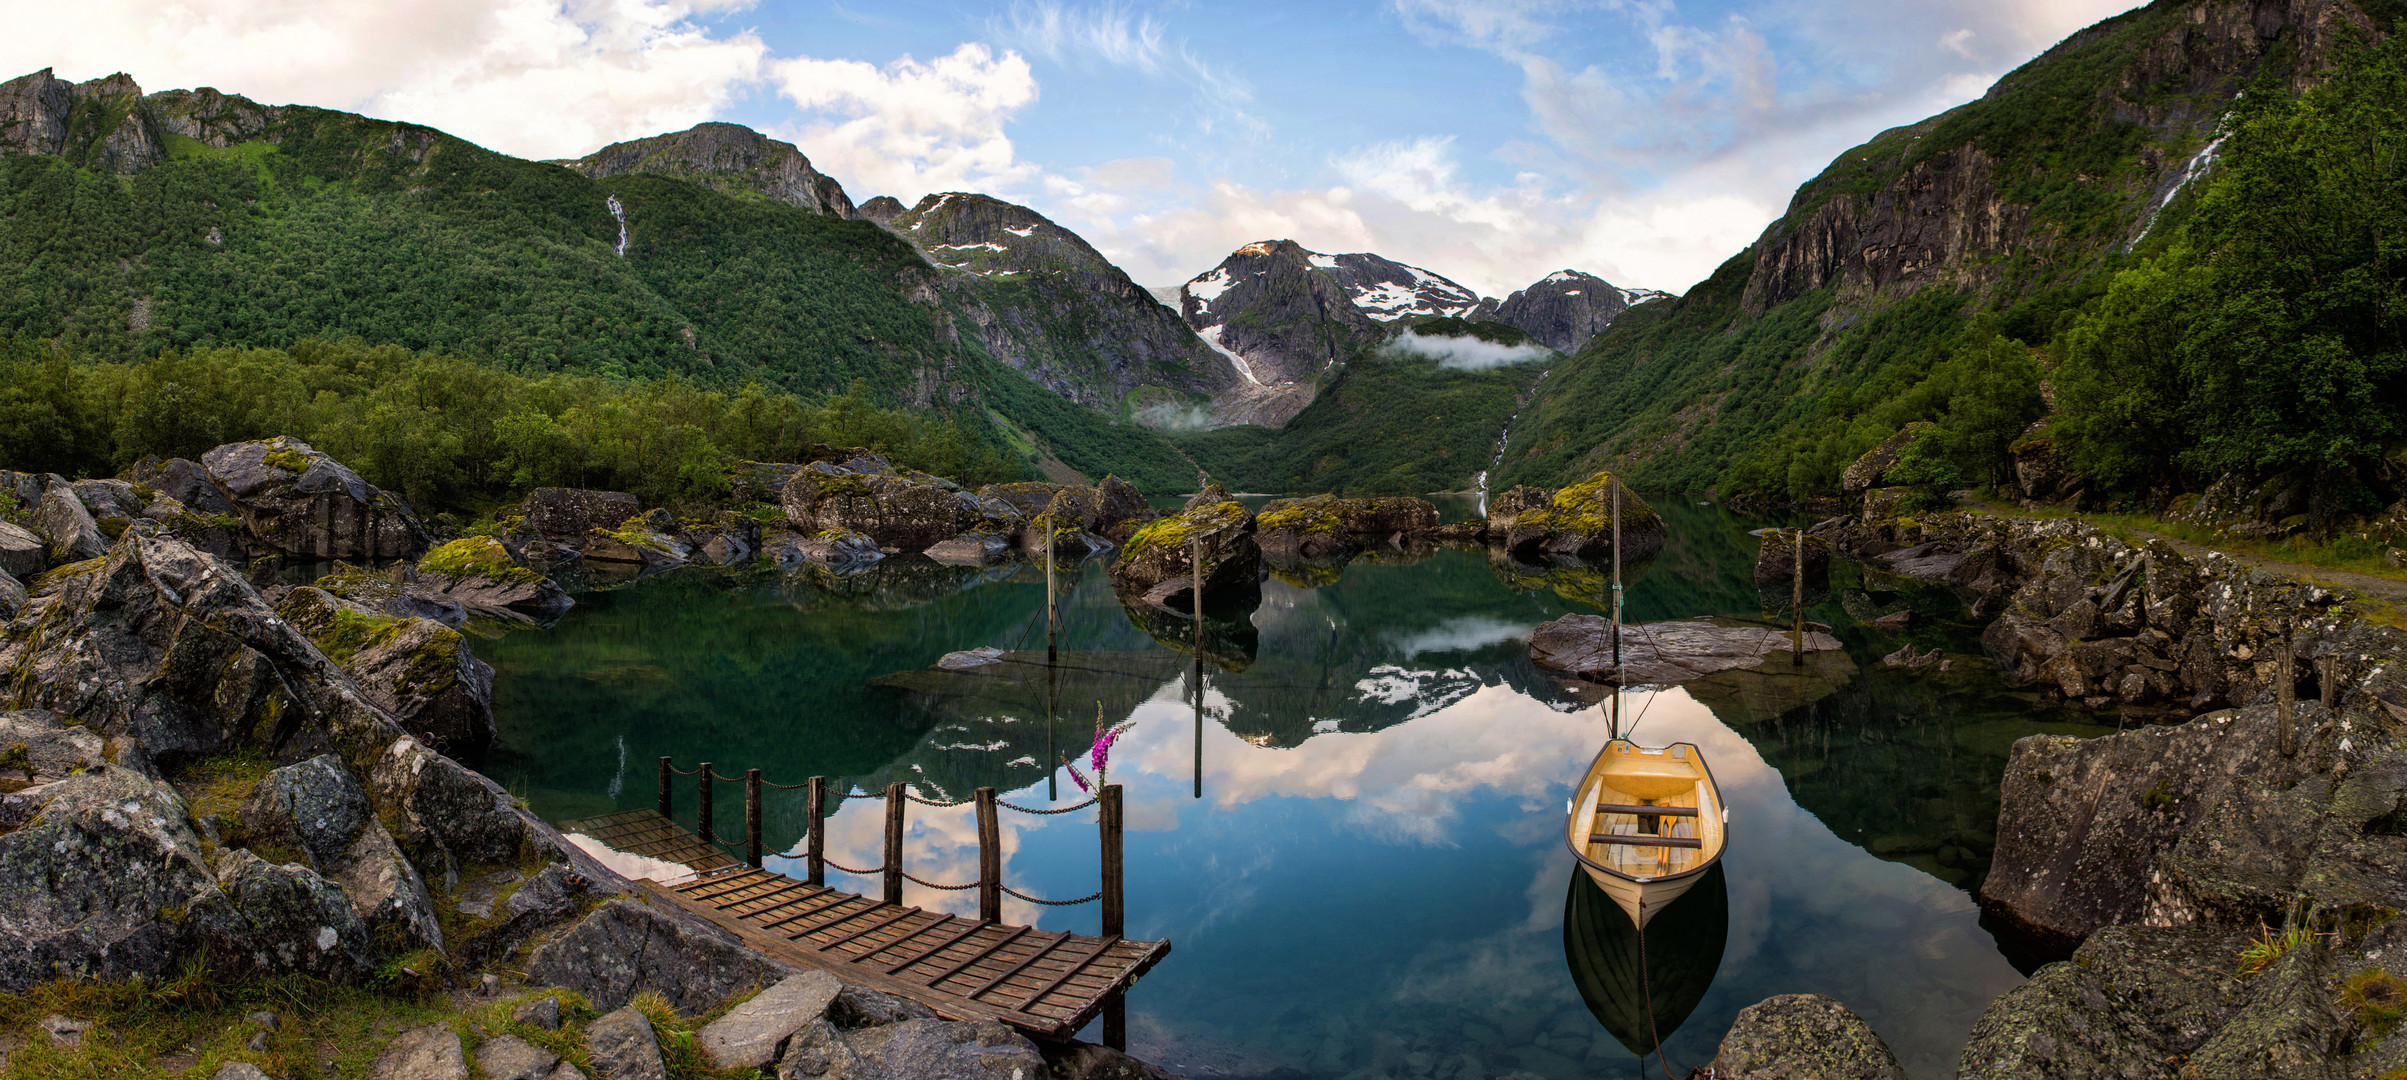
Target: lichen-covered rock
<point x="317" y="808"/>
<point x="450" y="816"/>
<point x="2130" y="1001"/>
<point x="478" y="573"/>
<point x="418" y="670"/>
<point x="896" y="511"/>
<point x="1803" y="1037"/>
<point x="651" y="539"/>
<point x="1576" y="521"/>
<point x="392" y="593"/>
<point x="623" y="1046"/>
<point x="731" y="540"/>
<point x="1159" y="560"/>
<point x="1776" y="561"/>
<point x="36" y="745"/>
<point x="754" y="1034"/>
<point x="554" y="896"/>
<point x="1120" y="509"/>
<point x="22" y="554"/>
<point x="89" y="868"/>
<point x="940" y="1050"/>
<point x="428" y="1053"/>
<point x="1867" y="471"/>
<point x="508" y="1057"/>
<point x="1325" y="525"/>
<point x="265" y="919"/>
<point x="12" y="597"/>
<point x="969" y="549"/>
<point x="67" y="525"/>
<point x="568" y="514"/>
<point x="626" y="947"/>
<point x="184" y="480"/>
<point x="829" y="547"/>
<point x="302" y="502"/>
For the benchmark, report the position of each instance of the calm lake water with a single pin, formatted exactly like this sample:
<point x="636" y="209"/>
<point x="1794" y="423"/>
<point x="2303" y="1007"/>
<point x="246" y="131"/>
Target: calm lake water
<point x="1357" y="850"/>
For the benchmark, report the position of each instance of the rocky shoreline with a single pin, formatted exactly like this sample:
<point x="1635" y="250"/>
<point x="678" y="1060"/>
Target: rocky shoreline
<point x="209" y="763"/>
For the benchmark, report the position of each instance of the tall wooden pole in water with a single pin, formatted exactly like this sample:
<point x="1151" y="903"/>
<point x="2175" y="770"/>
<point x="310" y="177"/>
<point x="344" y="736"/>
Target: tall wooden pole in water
<point x="1052" y="635"/>
<point x="1052" y="598"/>
<point x="1617" y="587"/>
<point x="1195" y="556"/>
<point x="1115" y="907"/>
<point x="1797" y="606"/>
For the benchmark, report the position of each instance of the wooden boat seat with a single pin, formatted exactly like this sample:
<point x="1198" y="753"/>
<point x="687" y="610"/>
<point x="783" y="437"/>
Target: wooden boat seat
<point x="1645" y="840"/>
<point x="1650" y="811"/>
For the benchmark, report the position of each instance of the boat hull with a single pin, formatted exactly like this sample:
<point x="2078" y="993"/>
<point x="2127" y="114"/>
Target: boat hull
<point x="1646" y="824"/>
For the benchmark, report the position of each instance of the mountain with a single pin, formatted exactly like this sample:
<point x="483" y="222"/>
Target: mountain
<point x="1564" y="309"/>
<point x="1287" y="313"/>
<point x="132" y="224"/>
<point x="723" y="157"/>
<point x="1947" y="269"/>
<point x="1046" y="302"/>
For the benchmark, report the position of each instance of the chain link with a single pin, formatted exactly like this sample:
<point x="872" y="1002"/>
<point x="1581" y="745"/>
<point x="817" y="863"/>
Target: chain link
<point x="1055" y="810"/>
<point x="682" y="772"/>
<point x="934" y="802"/>
<point x="948" y="888"/>
<point x="849" y="870"/>
<point x="1053" y="903"/>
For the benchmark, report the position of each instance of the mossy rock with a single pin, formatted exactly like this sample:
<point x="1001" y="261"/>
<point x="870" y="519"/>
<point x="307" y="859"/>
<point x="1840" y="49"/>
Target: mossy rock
<point x="477" y="557"/>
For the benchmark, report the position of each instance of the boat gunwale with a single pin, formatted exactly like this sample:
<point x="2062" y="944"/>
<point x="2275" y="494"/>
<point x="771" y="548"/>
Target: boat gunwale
<point x="1699" y="757"/>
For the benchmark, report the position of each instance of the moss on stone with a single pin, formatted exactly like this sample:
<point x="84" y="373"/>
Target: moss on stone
<point x="1587" y="507"/>
<point x="477" y="557"/>
<point x="433" y="668"/>
<point x="1316" y="514"/>
<point x="2377" y="999"/>
<point x="18" y="757"/>
<point x="291" y="461"/>
<point x="1171" y="534"/>
<point x="845" y="486"/>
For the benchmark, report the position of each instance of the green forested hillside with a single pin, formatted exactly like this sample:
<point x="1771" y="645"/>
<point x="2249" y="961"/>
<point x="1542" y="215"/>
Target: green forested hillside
<point x="1385" y="425"/>
<point x="1955" y="270"/>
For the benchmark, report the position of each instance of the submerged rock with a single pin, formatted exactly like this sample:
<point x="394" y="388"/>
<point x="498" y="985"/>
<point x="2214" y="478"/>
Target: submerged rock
<point x="829" y="547"/>
<point x="970" y="549"/>
<point x="1803" y="1037"/>
<point x="301" y="502"/>
<point x="1664" y="652"/>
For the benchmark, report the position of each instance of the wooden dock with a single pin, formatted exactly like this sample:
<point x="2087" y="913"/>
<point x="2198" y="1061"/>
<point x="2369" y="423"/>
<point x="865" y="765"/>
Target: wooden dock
<point x="1046" y="983"/>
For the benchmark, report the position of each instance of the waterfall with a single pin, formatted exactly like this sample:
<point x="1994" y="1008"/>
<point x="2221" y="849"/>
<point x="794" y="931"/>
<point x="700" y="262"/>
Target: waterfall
<point x="2200" y="162"/>
<point x="1496" y="460"/>
<point x="618" y="211"/>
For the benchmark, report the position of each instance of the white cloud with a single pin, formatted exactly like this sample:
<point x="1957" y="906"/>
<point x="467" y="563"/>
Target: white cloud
<point x="910" y="128"/>
<point x="1464" y="353"/>
<point x="535" y="78"/>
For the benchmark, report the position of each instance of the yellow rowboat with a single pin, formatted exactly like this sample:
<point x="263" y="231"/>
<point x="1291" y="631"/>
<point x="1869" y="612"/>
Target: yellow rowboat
<point x="1646" y="824"/>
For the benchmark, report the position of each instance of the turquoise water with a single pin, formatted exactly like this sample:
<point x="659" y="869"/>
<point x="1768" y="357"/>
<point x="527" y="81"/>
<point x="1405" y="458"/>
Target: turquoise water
<point x="1372" y="880"/>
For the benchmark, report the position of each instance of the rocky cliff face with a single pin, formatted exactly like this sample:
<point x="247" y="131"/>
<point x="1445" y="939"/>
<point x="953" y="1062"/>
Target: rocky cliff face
<point x="1277" y="311"/>
<point x="1563" y="309"/>
<point x="724" y="157"/>
<point x="1951" y="199"/>
<point x="1045" y="301"/>
<point x="100" y="124"/>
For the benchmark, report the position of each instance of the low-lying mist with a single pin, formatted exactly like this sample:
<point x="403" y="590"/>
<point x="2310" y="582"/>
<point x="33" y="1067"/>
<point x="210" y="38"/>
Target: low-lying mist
<point x="1464" y="353"/>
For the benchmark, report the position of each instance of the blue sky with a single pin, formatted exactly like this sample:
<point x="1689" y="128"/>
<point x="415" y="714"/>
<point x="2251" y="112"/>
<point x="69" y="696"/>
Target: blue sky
<point x="1488" y="140"/>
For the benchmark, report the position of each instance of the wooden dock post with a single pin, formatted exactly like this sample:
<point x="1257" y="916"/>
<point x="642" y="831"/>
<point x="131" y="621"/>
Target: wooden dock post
<point x="752" y="817"/>
<point x="1115" y="907"/>
<point x="895" y="801"/>
<point x="2285" y="695"/>
<point x="667" y="777"/>
<point x="817" y="858"/>
<point x="990" y="859"/>
<point x="1617" y="581"/>
<point x="702" y="813"/>
<point x="1797" y="606"/>
<point x="1052" y="601"/>
<point x="1195" y="569"/>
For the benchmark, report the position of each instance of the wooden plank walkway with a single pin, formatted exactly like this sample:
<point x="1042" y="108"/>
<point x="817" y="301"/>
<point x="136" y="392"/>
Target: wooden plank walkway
<point x="1046" y="983"/>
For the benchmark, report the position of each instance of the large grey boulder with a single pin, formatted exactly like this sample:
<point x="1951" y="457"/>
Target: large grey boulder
<point x="268" y="920"/>
<point x="89" y="866"/>
<point x="552" y="897"/>
<point x="567" y="514"/>
<point x="53" y="750"/>
<point x="302" y="502"/>
<point x="754" y="1033"/>
<point x="184" y="480"/>
<point x="2082" y="823"/>
<point x="418" y="670"/>
<point x="109" y="499"/>
<point x="1803" y="1037"/>
<point x="12" y="597"/>
<point x="1575" y="521"/>
<point x="22" y="553"/>
<point x="429" y="1053"/>
<point x="451" y="816"/>
<point x="1324" y="526"/>
<point x="626" y="947"/>
<point x="478" y="573"/>
<point x="909" y="512"/>
<point x="67" y="525"/>
<point x="317" y="808"/>
<point x="508" y="1057"/>
<point x="1776" y="562"/>
<point x="622" y="1046"/>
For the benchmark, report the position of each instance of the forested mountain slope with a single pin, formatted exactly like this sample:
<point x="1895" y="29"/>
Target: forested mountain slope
<point x="1946" y="270"/>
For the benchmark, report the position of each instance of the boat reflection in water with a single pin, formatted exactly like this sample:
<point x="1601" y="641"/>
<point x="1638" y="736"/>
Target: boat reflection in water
<point x="1643" y="989"/>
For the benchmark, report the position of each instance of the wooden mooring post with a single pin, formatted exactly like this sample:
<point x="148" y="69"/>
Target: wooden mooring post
<point x="896" y="801"/>
<point x="816" y="859"/>
<point x="1617" y="581"/>
<point x="990" y="858"/>
<point x="1797" y="606"/>
<point x="702" y="812"/>
<point x="1195" y="568"/>
<point x="752" y="817"/>
<point x="1052" y="598"/>
<point x="1115" y="907"/>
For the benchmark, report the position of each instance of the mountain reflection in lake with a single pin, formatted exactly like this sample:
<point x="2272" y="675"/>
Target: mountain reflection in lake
<point x="1373" y="879"/>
